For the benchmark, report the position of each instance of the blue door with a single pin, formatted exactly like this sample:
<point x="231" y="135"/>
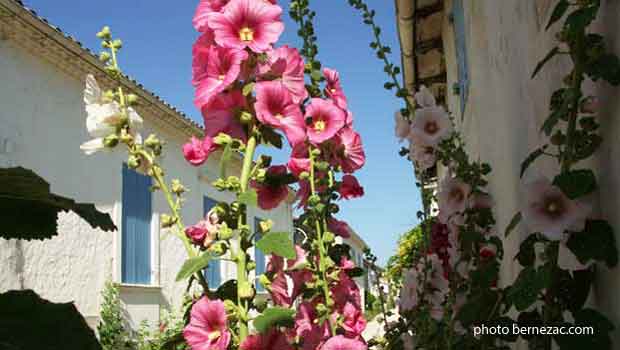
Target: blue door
<point x="136" y="228"/>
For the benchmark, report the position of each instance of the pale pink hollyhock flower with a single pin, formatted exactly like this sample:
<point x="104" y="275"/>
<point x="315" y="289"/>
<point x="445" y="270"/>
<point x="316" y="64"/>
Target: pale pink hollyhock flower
<point x="547" y="210"/>
<point x="222" y="68"/>
<point x="207" y="328"/>
<point x="424" y="98"/>
<point x="271" y="195"/>
<point x="274" y="107"/>
<point x="409" y="292"/>
<point x="286" y="66"/>
<point x="219" y="116"/>
<point x="402" y="127"/>
<point x="408" y="341"/>
<point x="350" y="154"/>
<point x="333" y="89"/>
<point x="430" y="125"/>
<point x="205" y="231"/>
<point x="339" y="227"/>
<point x="423" y="155"/>
<point x="340" y="342"/>
<point x="488" y="251"/>
<point x="438" y="278"/>
<point x="452" y="197"/>
<point x="196" y="151"/>
<point x="247" y="24"/>
<point x="350" y="187"/>
<point x="204" y="9"/>
<point x="273" y="339"/>
<point x="326" y="120"/>
<point x="299" y="161"/>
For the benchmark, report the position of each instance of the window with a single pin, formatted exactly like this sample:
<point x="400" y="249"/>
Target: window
<point x="458" y="14"/>
<point x="259" y="256"/>
<point x="136" y="228"/>
<point x="212" y="273"/>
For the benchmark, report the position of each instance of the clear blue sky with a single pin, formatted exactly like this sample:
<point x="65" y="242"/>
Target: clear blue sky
<point x="158" y="37"/>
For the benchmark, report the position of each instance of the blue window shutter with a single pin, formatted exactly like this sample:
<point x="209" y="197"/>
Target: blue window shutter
<point x="458" y="13"/>
<point x="136" y="228"/>
<point x="213" y="271"/>
<point x="259" y="256"/>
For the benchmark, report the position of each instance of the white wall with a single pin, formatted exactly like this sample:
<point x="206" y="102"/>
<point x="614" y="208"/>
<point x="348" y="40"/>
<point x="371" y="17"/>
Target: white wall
<point x="42" y="124"/>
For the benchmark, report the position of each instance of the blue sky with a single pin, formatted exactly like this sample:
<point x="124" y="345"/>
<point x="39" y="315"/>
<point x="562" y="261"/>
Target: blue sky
<point x="158" y="36"/>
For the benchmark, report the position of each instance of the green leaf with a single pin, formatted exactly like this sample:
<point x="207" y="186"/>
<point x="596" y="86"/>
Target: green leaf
<point x="596" y="242"/>
<point x="576" y="183"/>
<point x="558" y="12"/>
<point x="527" y="255"/>
<point x="579" y="19"/>
<point x="271" y="137"/>
<point x="227" y="291"/>
<point x="249" y="197"/>
<point x="224" y="160"/>
<point x="531" y="158"/>
<point x="606" y="67"/>
<point x="516" y="219"/>
<point x="30" y="211"/>
<point x="30" y="322"/>
<point x="586" y="144"/>
<point x="193" y="265"/>
<point x="275" y="316"/>
<point x="278" y="243"/>
<point x="526" y="289"/>
<point x="558" y="113"/>
<point x="546" y="59"/>
<point x="247" y="89"/>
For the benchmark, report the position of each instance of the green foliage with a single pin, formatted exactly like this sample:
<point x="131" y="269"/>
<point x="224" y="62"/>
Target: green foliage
<point x="274" y="316"/>
<point x="595" y="243"/>
<point x="193" y="265"/>
<point x="29" y="322"/>
<point x="576" y="183"/>
<point x="409" y="245"/>
<point x="30" y="210"/>
<point x="113" y="334"/>
<point x="278" y="243"/>
<point x="527" y="288"/>
<point x="167" y="336"/>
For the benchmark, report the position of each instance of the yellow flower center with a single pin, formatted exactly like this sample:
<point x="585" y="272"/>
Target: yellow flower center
<point x="279" y="116"/>
<point x="221" y="77"/>
<point x="333" y="91"/>
<point x="214" y="335"/>
<point x="319" y="125"/>
<point x="246" y="34"/>
<point x="552" y="207"/>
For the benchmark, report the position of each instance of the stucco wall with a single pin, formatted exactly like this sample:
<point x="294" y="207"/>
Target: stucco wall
<point x="505" y="110"/>
<point x="42" y="124"/>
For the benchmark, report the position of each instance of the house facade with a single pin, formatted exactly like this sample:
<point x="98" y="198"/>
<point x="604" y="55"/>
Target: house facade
<point x="478" y="57"/>
<point x="42" y="124"/>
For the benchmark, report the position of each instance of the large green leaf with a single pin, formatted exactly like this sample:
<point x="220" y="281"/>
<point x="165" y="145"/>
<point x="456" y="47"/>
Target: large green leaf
<point x="576" y="183"/>
<point x="516" y="219"/>
<point x="546" y="59"/>
<point x="193" y="265"/>
<point x="30" y="211"/>
<point x="29" y="322"/>
<point x="278" y="243"/>
<point x="526" y="289"/>
<point x="275" y="316"/>
<point x="249" y="198"/>
<point x="558" y="12"/>
<point x="596" y="242"/>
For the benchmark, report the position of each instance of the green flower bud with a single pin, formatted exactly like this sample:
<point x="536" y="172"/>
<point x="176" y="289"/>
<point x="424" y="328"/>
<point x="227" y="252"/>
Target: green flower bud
<point x="251" y="265"/>
<point x="152" y="142"/>
<point x="104" y="57"/>
<point x="304" y="175"/>
<point x="126" y="137"/>
<point x="117" y="44"/>
<point x="260" y="305"/>
<point x="328" y="237"/>
<point x="225" y="232"/>
<point x="222" y="139"/>
<point x="245" y="117"/>
<point x="110" y="141"/>
<point x="177" y="187"/>
<point x="167" y="221"/>
<point x="246" y="291"/>
<point x="264" y="280"/>
<point x="334" y="208"/>
<point x="132" y="99"/>
<point x="314" y="200"/>
<point x="230" y="307"/>
<point x="266" y="226"/>
<point x="109" y="96"/>
<point x="316" y="152"/>
<point x="105" y="33"/>
<point x="219" y="248"/>
<point x="322" y="166"/>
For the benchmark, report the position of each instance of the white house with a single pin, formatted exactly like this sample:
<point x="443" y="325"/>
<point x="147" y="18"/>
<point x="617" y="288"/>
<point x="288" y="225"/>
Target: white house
<point x="42" y="124"/>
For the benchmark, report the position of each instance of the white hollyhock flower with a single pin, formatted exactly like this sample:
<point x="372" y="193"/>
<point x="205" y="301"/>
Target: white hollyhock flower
<point x="424" y="97"/>
<point x="402" y="127"/>
<point x="547" y="210"/>
<point x="452" y="198"/>
<point x="423" y="155"/>
<point x="409" y="292"/>
<point x="430" y="126"/>
<point x="103" y="117"/>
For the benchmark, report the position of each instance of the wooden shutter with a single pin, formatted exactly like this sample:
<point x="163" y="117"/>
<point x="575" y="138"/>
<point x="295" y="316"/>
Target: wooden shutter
<point x="213" y="272"/>
<point x="136" y="228"/>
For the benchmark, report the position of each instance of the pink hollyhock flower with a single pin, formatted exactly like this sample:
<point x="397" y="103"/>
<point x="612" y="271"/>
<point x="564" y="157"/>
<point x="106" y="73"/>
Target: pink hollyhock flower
<point x="354" y="322"/>
<point x="350" y="187"/>
<point x="279" y="284"/>
<point x="204" y="9"/>
<point x="196" y="152"/>
<point x="488" y="251"/>
<point x="207" y="328"/>
<point x="326" y="120"/>
<point x="274" y="107"/>
<point x="307" y="328"/>
<point x="220" y="115"/>
<point x="345" y="291"/>
<point x="430" y="125"/>
<point x="273" y="339"/>
<point x="333" y="89"/>
<point x="547" y="210"/>
<point x="339" y="228"/>
<point x="247" y="23"/>
<point x="409" y="292"/>
<point x="299" y="161"/>
<point x="340" y="342"/>
<point x="271" y="195"/>
<point x="200" y="56"/>
<point x="205" y="231"/>
<point x="349" y="119"/>
<point x="424" y="98"/>
<point x="423" y="155"/>
<point x="452" y="197"/>
<point x="286" y="66"/>
<point x="303" y="193"/>
<point x="214" y="71"/>
<point x="438" y="278"/>
<point x="351" y="156"/>
<point x="402" y="127"/>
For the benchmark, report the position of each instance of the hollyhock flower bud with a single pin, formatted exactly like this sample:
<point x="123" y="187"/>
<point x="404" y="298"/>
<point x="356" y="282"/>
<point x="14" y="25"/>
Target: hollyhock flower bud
<point x="196" y="152"/>
<point x="207" y="328"/>
<point x="488" y="251"/>
<point x="350" y="187"/>
<point x="247" y="24"/>
<point x="299" y="162"/>
<point x="326" y="119"/>
<point x="547" y="210"/>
